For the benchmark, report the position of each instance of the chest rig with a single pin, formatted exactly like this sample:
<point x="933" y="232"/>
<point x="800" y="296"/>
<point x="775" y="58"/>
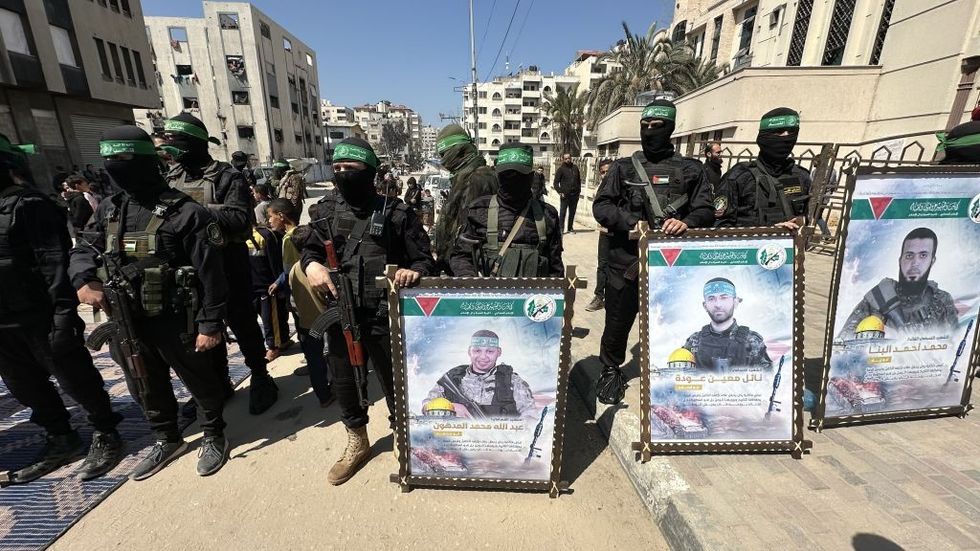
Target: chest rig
<point x="515" y="259"/>
<point x="777" y="199"/>
<point x="662" y="186"/>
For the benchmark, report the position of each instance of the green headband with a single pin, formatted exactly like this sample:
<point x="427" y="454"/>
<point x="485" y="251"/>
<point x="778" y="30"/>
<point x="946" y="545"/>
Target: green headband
<point x="281" y="164"/>
<point x="14" y="149"/>
<point x="185" y="128"/>
<point x="452" y="140"/>
<point x="963" y="141"/>
<point x="108" y="148"/>
<point x="659" y="112"/>
<point x="780" y="121"/>
<point x="514" y="155"/>
<point x="351" y="152"/>
<point x="484" y="342"/>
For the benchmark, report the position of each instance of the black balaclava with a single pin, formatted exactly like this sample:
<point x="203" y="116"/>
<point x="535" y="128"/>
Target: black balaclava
<point x="187" y="140"/>
<point x="356" y="186"/>
<point x="239" y="160"/>
<point x="13" y="161"/>
<point x="515" y="172"/>
<point x="656" y="141"/>
<point x="139" y="176"/>
<point x="775" y="150"/>
<point x="455" y="148"/>
<point x="962" y="144"/>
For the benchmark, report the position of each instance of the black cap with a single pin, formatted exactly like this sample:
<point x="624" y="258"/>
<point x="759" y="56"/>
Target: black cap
<point x="515" y="156"/>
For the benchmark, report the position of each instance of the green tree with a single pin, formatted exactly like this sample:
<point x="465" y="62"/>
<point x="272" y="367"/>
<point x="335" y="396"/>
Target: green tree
<point x="566" y="109"/>
<point x="646" y="62"/>
<point x="394" y="139"/>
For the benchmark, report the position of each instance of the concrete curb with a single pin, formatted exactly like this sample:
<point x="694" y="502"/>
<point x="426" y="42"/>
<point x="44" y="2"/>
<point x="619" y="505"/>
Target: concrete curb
<point x="661" y="487"/>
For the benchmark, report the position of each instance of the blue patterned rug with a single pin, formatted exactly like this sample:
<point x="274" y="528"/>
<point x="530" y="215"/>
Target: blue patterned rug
<point x="33" y="515"/>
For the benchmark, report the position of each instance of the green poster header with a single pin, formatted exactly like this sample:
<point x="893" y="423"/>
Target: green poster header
<point x="886" y="208"/>
<point x="482" y="307"/>
<point x="719" y="257"/>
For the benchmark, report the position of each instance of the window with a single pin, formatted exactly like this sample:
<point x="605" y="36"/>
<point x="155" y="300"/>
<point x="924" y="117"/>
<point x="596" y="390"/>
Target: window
<point x="748" y="27"/>
<point x="103" y="59"/>
<point x="483" y="126"/>
<point x="775" y="16"/>
<point x="298" y="138"/>
<point x="190" y="102"/>
<point x="277" y="134"/>
<point x="12" y="32"/>
<point x="716" y="37"/>
<point x="886" y="16"/>
<point x="840" y="26"/>
<point x="336" y="135"/>
<point x="697" y="43"/>
<point x="239" y="98"/>
<point x="177" y="34"/>
<point x="679" y="32"/>
<point x="138" y="61"/>
<point x="129" y="66"/>
<point x="236" y="66"/>
<point x="114" y="4"/>
<point x="286" y="44"/>
<point x="125" y="8"/>
<point x="183" y="70"/>
<point x="274" y="101"/>
<point x="482" y="95"/>
<point x="116" y="64"/>
<point x="483" y="110"/>
<point x="309" y="60"/>
<point x="496" y="96"/>
<point x="295" y="107"/>
<point x="228" y="20"/>
<point x="800" y="27"/>
<point x="543" y="148"/>
<point x="246" y="132"/>
<point x="264" y="30"/>
<point x="62" y="46"/>
<point x="496" y="128"/>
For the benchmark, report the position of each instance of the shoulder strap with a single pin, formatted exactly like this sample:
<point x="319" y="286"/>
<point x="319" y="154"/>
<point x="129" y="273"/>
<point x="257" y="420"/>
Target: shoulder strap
<point x="510" y="237"/>
<point x="537" y="213"/>
<point x="503" y="395"/>
<point x="772" y="189"/>
<point x="493" y="212"/>
<point x="641" y="173"/>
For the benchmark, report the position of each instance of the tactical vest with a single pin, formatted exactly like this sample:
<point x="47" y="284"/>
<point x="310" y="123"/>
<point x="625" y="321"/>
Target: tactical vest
<point x="22" y="288"/>
<point x="897" y="313"/>
<point x="718" y="353"/>
<point x="662" y="186"/>
<point x="502" y="403"/>
<point x="777" y="199"/>
<point x="363" y="255"/>
<point x="519" y="260"/>
<point x="146" y="269"/>
<point x="216" y="176"/>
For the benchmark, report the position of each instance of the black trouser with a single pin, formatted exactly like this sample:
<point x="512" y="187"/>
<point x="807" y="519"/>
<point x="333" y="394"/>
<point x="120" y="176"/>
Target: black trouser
<point x="263" y="304"/>
<point x="313" y="352"/>
<point x="242" y="317"/>
<point x="601" y="272"/>
<point x="569" y="203"/>
<point x="622" y="304"/>
<point x="27" y="361"/>
<point x="163" y="349"/>
<point x="376" y="340"/>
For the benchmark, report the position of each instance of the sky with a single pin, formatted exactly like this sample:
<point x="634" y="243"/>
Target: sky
<point x="408" y="51"/>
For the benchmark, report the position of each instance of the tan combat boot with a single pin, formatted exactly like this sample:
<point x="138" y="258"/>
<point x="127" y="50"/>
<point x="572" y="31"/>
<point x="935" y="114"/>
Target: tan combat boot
<point x="356" y="453"/>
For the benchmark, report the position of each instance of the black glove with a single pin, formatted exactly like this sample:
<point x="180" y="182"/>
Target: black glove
<point x="611" y="386"/>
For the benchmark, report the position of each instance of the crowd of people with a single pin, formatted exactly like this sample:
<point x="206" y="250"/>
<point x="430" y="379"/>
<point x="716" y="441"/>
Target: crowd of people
<point x="189" y="246"/>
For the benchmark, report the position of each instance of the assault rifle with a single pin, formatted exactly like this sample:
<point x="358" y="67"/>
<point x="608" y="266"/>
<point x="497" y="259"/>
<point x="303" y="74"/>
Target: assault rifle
<point x="959" y="352"/>
<point x="341" y="311"/>
<point x="121" y="301"/>
<point x="775" y="385"/>
<point x="537" y="434"/>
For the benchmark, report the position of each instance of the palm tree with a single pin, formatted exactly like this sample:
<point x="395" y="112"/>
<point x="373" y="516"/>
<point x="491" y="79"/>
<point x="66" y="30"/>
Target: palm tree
<point x="566" y="109"/>
<point x="646" y="62"/>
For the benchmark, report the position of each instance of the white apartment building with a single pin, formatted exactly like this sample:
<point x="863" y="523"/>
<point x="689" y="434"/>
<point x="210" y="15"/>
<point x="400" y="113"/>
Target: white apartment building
<point x="510" y="110"/>
<point x="69" y="71"/>
<point x="429" y="134"/>
<point x="861" y="72"/>
<point x="253" y="83"/>
<point x="589" y="70"/>
<point x="371" y="117"/>
<point x="332" y="114"/>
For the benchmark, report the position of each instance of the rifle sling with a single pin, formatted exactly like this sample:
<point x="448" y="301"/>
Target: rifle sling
<point x="641" y="173"/>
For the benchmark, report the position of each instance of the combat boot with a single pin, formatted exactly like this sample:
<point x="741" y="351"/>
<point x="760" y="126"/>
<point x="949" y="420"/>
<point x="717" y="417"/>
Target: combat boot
<point x="262" y="394"/>
<point x="106" y="452"/>
<point x="356" y="453"/>
<point x="58" y="451"/>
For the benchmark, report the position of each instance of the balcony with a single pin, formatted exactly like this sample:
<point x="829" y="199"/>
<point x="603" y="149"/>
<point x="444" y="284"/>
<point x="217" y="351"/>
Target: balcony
<point x="75" y="83"/>
<point x="27" y="70"/>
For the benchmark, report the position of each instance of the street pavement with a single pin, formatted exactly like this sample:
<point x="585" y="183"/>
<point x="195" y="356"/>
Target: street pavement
<point x="273" y="493"/>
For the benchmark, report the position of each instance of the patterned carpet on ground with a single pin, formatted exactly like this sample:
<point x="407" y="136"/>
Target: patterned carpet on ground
<point x="33" y="515"/>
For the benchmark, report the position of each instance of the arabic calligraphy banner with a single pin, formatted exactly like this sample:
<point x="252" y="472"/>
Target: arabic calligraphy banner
<point x="906" y="299"/>
<point x="481" y="383"/>
<point x="720" y="365"/>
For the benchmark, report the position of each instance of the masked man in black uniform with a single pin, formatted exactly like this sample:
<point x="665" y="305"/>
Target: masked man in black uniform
<point x="40" y="331"/>
<point x="224" y="191"/>
<point x="369" y="232"/>
<point x="140" y="242"/>
<point x="668" y="191"/>
<point x="772" y="190"/>
<point x="510" y="234"/>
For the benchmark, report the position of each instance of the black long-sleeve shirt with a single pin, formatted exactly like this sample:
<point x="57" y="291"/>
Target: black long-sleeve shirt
<point x="568" y="180"/>
<point x="618" y="207"/>
<point x="739" y="188"/>
<point x="79" y="210"/>
<point x="404" y="239"/>
<point x="474" y="235"/>
<point x="183" y="240"/>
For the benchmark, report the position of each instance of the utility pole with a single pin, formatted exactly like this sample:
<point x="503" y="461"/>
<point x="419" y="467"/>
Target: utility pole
<point x="476" y="107"/>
